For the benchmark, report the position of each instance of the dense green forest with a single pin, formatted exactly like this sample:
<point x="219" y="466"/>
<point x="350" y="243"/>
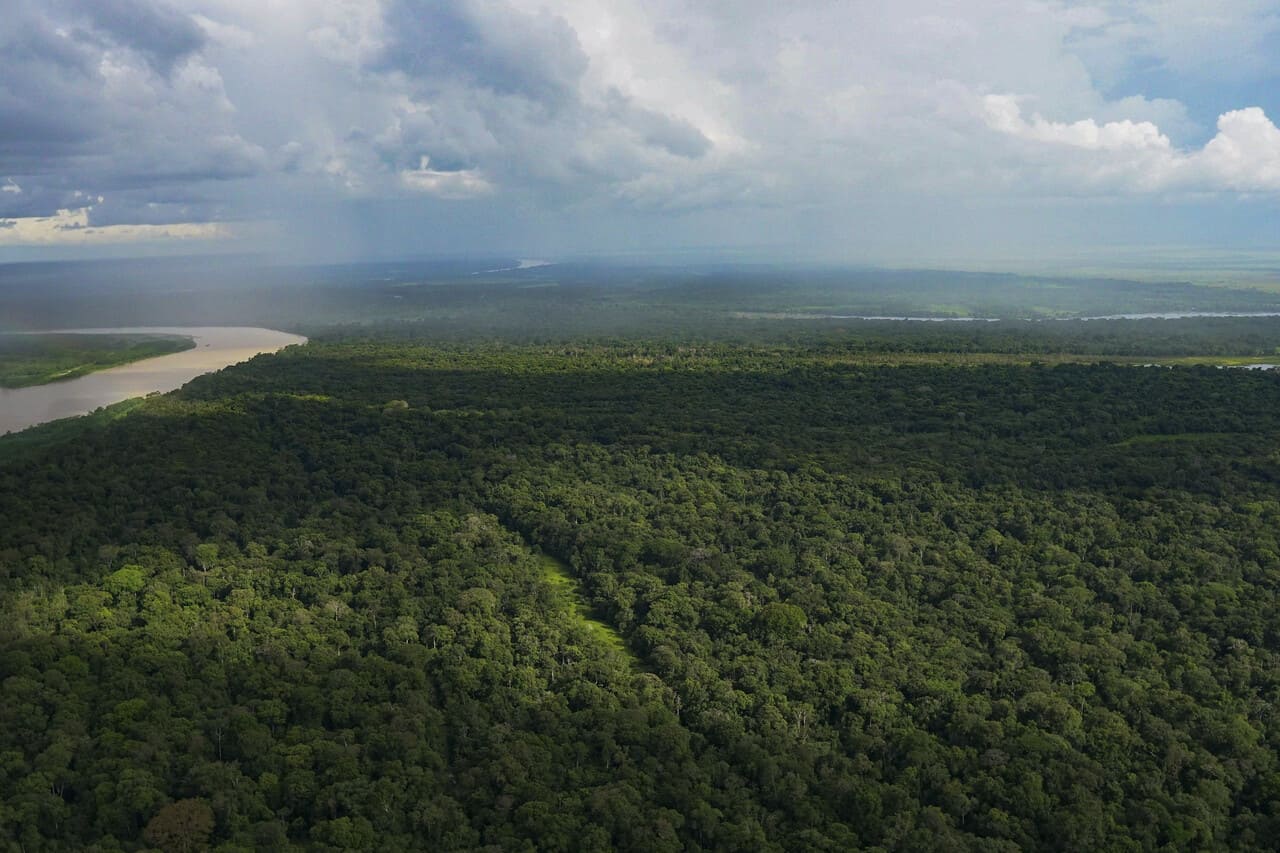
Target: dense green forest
<point x="378" y="592"/>
<point x="40" y="358"/>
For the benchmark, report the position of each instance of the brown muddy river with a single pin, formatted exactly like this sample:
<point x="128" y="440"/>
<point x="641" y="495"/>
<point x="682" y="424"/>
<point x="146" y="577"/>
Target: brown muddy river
<point x="216" y="347"/>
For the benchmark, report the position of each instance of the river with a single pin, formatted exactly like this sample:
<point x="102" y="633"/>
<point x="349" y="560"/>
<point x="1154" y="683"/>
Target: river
<point x="216" y="347"/>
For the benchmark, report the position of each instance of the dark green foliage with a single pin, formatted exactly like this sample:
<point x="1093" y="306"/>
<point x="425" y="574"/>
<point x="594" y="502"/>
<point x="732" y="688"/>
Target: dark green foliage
<point x="918" y="607"/>
<point x="18" y="444"/>
<point x="182" y="826"/>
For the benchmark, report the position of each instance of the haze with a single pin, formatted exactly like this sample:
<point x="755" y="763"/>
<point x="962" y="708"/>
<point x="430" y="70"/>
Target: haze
<point x="987" y="133"/>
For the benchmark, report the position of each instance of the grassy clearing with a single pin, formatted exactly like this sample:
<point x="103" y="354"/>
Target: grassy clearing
<point x="558" y="575"/>
<point x="1220" y="360"/>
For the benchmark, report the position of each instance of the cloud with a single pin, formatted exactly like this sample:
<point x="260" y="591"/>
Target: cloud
<point x="503" y="89"/>
<point x="1220" y="39"/>
<point x="486" y="45"/>
<point x="1244" y="156"/>
<point x="72" y="227"/>
<point x="463" y="183"/>
<point x="1004" y="114"/>
<point x="673" y="134"/>
<point x="547" y="116"/>
<point x="228" y="35"/>
<point x="157" y="31"/>
<point x="349" y="31"/>
<point x="111" y="95"/>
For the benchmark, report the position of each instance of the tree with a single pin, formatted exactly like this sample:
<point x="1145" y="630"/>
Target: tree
<point x="182" y="826"/>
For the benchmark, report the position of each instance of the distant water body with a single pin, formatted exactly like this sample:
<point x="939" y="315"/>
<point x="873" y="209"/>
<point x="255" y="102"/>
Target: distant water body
<point x="216" y="347"/>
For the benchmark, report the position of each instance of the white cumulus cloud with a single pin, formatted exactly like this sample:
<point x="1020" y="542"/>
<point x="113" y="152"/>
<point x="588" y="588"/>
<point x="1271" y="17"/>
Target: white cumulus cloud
<point x="71" y="227"/>
<point x="1004" y="114"/>
<point x="1244" y="156"/>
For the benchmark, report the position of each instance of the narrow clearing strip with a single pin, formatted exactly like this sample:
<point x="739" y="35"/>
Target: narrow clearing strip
<point x="557" y="573"/>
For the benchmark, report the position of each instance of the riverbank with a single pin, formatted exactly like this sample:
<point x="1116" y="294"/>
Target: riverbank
<point x="28" y="359"/>
<point x="215" y="347"/>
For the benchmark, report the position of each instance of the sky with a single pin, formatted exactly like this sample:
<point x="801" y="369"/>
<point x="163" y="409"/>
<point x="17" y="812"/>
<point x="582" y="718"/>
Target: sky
<point x="906" y="132"/>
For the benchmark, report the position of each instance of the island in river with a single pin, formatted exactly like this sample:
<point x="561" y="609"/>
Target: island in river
<point x="35" y="358"/>
<point x="215" y="347"/>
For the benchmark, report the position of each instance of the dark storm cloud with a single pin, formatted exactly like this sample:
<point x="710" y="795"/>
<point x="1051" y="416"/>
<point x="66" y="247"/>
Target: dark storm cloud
<point x="30" y="36"/>
<point x="45" y="106"/>
<point x="486" y="46"/>
<point x="52" y="52"/>
<point x="39" y="199"/>
<point x="26" y="131"/>
<point x="148" y="208"/>
<point x="100" y="96"/>
<point x="217" y="159"/>
<point x="675" y="135"/>
<point x="157" y="31"/>
<point x="505" y="92"/>
<point x="124" y="100"/>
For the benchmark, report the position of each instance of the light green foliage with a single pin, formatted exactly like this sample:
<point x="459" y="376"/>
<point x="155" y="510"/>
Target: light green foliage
<point x="125" y="581"/>
<point x="561" y="578"/>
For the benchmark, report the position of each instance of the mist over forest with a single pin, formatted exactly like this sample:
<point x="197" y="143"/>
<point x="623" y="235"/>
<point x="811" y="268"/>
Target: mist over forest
<point x="493" y="296"/>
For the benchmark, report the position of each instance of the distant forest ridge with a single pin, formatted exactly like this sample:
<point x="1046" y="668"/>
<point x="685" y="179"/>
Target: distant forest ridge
<point x="497" y="296"/>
